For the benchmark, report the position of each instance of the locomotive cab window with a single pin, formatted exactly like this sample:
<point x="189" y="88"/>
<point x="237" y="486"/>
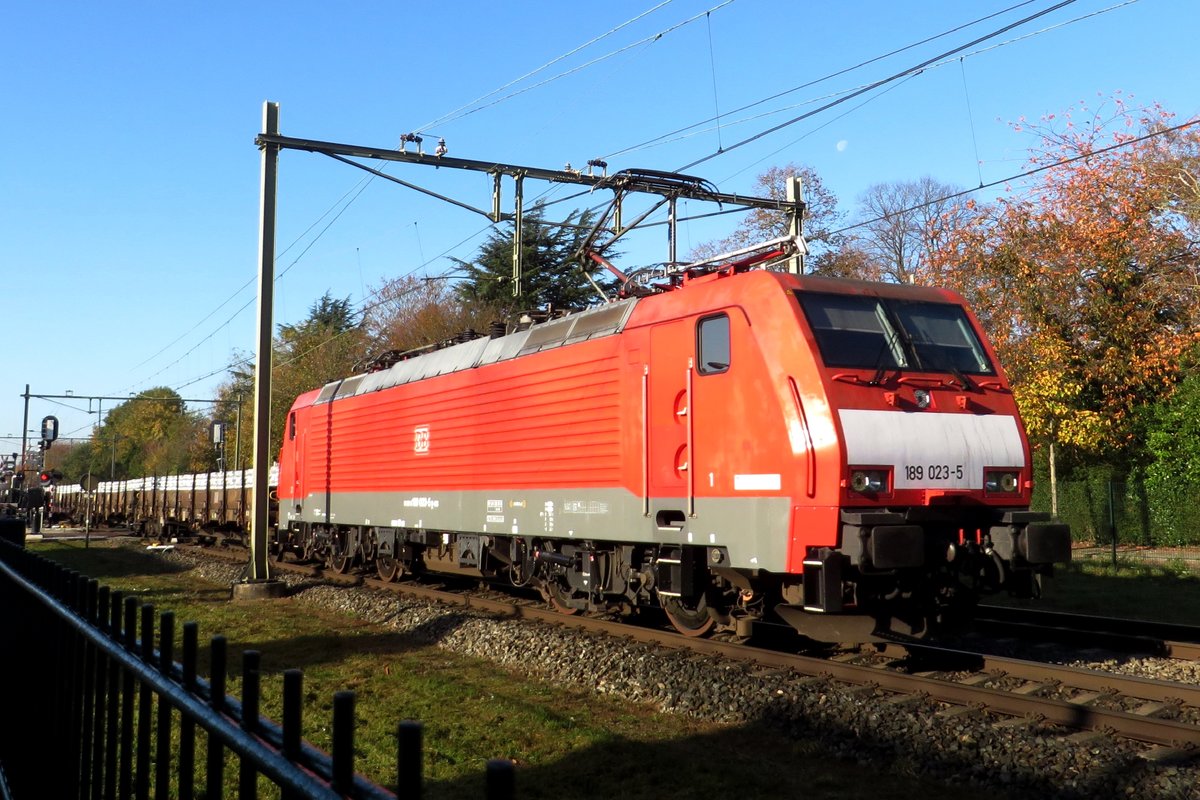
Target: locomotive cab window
<point x="881" y="333"/>
<point x="942" y="338"/>
<point x="712" y="344"/>
<point x="853" y="331"/>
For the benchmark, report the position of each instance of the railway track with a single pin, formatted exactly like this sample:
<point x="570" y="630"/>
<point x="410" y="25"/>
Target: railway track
<point x="1125" y="635"/>
<point x="1162" y="715"/>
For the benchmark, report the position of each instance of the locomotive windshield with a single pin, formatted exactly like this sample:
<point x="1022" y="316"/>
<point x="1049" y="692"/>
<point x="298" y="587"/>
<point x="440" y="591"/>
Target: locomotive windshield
<point x="879" y="333"/>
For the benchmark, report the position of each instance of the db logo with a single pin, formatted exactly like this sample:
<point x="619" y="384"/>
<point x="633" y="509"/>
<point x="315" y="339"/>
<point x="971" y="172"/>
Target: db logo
<point x="421" y="439"/>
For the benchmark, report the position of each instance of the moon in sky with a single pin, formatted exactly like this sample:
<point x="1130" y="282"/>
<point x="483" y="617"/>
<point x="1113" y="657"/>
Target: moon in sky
<point x="842" y="145"/>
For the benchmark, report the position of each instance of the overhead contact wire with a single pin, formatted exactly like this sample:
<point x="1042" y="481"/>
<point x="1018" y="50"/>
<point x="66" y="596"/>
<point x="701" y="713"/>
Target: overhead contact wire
<point x="816" y="81"/>
<point x="1026" y="174"/>
<point x="883" y="81"/>
<point x="451" y="115"/>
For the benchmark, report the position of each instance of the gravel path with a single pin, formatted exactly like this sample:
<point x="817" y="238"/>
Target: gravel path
<point x="962" y="747"/>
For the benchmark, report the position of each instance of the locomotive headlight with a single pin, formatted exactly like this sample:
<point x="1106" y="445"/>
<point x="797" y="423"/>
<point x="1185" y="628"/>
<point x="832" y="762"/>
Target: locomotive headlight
<point x="869" y="481"/>
<point x="1001" y="481"/>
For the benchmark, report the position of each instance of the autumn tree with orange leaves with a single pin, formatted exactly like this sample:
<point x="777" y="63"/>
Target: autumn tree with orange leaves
<point x="1085" y="281"/>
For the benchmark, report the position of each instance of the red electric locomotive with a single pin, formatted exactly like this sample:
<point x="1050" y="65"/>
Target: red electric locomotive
<point x="734" y="443"/>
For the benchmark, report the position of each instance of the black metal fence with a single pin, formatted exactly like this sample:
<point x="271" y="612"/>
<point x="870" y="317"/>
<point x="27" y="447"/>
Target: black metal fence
<point x="90" y="709"/>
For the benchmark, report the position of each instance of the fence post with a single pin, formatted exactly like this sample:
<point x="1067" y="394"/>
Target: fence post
<point x="1112" y="522"/>
<point x="101" y="697"/>
<point x="251" y="661"/>
<point x="187" y="728"/>
<point x="141" y="775"/>
<point x="408" y="760"/>
<point x="162" y="747"/>
<point x="293" y="709"/>
<point x="215" y="763"/>
<point x="343" y="742"/>
<point x="501" y="780"/>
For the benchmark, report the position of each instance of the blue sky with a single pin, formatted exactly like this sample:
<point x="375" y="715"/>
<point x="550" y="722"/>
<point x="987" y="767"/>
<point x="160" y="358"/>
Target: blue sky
<point x="130" y="181"/>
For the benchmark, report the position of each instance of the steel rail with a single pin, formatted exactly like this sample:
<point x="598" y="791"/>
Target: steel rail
<point x="1169" y="640"/>
<point x="1171" y="692"/>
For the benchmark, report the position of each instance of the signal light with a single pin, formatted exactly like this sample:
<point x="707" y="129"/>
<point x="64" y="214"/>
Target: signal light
<point x="45" y="477"/>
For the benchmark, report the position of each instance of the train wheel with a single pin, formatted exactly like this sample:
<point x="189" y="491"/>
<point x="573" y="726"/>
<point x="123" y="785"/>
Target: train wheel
<point x="388" y="567"/>
<point x="340" y="557"/>
<point x="690" y="621"/>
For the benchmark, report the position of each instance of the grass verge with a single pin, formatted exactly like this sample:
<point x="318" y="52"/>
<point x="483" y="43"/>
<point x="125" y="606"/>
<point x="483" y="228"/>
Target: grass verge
<point x="1130" y="588"/>
<point x="567" y="742"/>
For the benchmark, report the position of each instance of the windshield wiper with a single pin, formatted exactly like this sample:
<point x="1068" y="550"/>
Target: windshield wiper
<point x="881" y="360"/>
<point x="961" y="377"/>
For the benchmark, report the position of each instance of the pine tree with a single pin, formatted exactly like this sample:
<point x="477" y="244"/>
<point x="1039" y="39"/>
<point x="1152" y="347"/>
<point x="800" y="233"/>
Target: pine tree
<point x="549" y="279"/>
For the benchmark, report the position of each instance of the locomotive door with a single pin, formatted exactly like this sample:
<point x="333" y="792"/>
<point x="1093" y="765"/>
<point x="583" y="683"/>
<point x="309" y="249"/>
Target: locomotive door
<point x="671" y="354"/>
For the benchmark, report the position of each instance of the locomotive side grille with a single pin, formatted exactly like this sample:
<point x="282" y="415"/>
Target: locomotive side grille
<point x="553" y="423"/>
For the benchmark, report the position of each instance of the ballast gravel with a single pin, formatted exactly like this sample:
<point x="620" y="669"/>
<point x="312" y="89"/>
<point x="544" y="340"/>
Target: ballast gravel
<point x="957" y="746"/>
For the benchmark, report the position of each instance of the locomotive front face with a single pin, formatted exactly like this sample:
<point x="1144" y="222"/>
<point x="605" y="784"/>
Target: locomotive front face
<point x="934" y="476"/>
<point x="923" y="413"/>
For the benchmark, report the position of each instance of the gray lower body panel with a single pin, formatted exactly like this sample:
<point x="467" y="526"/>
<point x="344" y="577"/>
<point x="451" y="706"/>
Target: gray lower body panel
<point x="754" y="530"/>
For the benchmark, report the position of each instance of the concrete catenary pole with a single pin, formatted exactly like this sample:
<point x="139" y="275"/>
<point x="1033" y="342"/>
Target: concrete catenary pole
<point x="262" y="361"/>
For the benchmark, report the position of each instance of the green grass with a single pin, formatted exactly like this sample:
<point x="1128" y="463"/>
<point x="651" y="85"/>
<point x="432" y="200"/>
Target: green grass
<point x="566" y="742"/>
<point x="1162" y="591"/>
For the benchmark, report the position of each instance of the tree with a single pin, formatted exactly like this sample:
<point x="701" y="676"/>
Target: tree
<point x="1082" y="282"/>
<point x="149" y="434"/>
<point x="820" y="220"/>
<point x="74" y="460"/>
<point x="552" y="274"/>
<point x="326" y="316"/>
<point x="901" y="221"/>
<point x="1174" y="160"/>
<point x="411" y="312"/>
<point x="327" y="345"/>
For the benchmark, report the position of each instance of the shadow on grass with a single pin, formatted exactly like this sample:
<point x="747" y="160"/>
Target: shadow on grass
<point x="100" y="561"/>
<point x="1132" y="590"/>
<point x="787" y="754"/>
<point x="308" y="650"/>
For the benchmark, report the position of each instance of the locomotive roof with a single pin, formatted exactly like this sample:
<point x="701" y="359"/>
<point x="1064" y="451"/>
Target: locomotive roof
<point x="605" y="320"/>
<point x="904" y="291"/>
<point x="593" y="323"/>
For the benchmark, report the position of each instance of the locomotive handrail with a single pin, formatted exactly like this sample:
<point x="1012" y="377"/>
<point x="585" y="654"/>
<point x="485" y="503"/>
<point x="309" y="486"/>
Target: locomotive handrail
<point x="920" y="380"/>
<point x="645" y="440"/>
<point x="691" y="431"/>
